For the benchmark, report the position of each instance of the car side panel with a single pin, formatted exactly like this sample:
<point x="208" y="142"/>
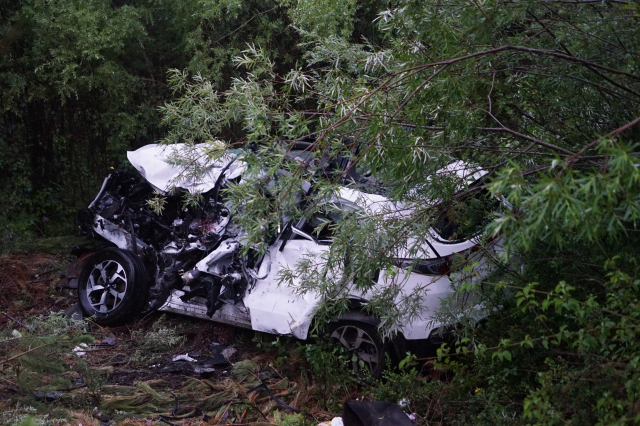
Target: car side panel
<point x="278" y="309"/>
<point x="434" y="287"/>
<point x="437" y="287"/>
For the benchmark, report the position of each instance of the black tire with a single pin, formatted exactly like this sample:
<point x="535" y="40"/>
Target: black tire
<point x="363" y="340"/>
<point x="126" y="291"/>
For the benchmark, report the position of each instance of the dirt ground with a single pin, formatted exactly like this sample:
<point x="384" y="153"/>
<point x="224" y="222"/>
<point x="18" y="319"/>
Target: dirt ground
<point x="135" y="381"/>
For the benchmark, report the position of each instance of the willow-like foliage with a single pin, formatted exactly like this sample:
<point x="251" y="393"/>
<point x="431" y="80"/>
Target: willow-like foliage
<point x="542" y="95"/>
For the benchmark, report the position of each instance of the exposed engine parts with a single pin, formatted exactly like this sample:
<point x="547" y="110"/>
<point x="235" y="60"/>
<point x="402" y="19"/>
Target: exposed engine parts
<point x="194" y="249"/>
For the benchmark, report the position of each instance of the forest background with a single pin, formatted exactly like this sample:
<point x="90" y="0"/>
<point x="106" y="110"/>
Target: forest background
<point x="542" y="94"/>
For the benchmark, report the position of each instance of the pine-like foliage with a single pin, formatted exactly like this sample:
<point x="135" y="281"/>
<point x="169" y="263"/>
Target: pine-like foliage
<point x="40" y="356"/>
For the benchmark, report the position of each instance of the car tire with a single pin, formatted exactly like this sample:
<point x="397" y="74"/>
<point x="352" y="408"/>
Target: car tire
<point x="112" y="287"/>
<point x="363" y="340"/>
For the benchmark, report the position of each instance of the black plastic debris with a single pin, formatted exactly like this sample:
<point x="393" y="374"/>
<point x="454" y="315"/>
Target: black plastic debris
<point x="74" y="313"/>
<point x="374" y="413"/>
<point x="71" y="273"/>
<point x="48" y="396"/>
<point x="104" y="420"/>
<point x="195" y="363"/>
<point x="182" y="367"/>
<point x="203" y="369"/>
<point x="220" y="354"/>
<point x="263" y="386"/>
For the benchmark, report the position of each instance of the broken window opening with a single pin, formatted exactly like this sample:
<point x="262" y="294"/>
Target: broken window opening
<point x="466" y="219"/>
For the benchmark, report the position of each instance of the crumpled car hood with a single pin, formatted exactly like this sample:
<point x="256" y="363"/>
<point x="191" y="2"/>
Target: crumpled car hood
<point x="152" y="162"/>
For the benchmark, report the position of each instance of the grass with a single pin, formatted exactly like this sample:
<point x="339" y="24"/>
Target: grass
<point x="51" y="245"/>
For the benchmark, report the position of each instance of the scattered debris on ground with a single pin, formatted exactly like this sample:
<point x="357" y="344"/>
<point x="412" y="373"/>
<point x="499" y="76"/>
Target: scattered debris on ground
<point x="164" y="369"/>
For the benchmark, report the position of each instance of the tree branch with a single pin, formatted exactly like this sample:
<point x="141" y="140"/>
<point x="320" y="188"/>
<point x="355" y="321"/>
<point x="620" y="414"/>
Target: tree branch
<point x="529" y="138"/>
<point x="610" y="135"/>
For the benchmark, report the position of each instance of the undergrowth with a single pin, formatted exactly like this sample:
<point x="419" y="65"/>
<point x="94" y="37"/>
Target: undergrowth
<point x="330" y="365"/>
<point x="292" y="420"/>
<point x="38" y="357"/>
<point x="23" y="415"/>
<point x="155" y="342"/>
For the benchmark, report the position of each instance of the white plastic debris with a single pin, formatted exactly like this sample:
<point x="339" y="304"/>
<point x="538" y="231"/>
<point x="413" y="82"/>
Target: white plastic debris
<point x="337" y="421"/>
<point x="184" y="357"/>
<point x="404" y="402"/>
<point x="411" y="416"/>
<point x="111" y="341"/>
<point x="228" y="353"/>
<point x="16" y="334"/>
<point x="198" y="369"/>
<point x="81" y="349"/>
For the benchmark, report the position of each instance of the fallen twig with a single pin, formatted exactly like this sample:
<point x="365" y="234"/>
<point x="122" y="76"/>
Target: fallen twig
<point x="17" y="321"/>
<point x="39" y="280"/>
<point x="273" y="368"/>
<point x="98" y="349"/>
<point x="162" y="419"/>
<point x="40" y="277"/>
<point x="251" y="399"/>
<point x="277" y="395"/>
<point x="10" y="382"/>
<point x="25" y="352"/>
<point x="9" y="340"/>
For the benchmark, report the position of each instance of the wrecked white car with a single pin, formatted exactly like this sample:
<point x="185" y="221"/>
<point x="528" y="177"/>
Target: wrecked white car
<point x="188" y="260"/>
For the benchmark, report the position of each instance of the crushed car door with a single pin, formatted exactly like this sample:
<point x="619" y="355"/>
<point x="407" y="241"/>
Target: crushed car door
<point x="276" y="308"/>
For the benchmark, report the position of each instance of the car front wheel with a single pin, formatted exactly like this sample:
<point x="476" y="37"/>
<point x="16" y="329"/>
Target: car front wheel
<point x="112" y="286"/>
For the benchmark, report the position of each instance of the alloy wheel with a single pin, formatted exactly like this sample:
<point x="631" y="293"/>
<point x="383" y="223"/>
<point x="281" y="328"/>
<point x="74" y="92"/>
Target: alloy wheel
<point x="106" y="286"/>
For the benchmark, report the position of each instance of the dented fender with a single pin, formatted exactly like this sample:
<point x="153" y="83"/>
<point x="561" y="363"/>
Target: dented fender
<point x="114" y="233"/>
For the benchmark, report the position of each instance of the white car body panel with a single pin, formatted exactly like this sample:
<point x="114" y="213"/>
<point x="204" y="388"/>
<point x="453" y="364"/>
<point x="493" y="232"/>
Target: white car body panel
<point x="115" y="234"/>
<point x="152" y="162"/>
<point x="438" y="286"/>
<point x="278" y="309"/>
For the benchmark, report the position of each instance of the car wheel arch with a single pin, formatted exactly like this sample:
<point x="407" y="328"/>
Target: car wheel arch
<point x="358" y="315"/>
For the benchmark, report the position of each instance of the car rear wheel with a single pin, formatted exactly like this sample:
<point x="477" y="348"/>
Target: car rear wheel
<point x="361" y="339"/>
<point x="112" y="286"/>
